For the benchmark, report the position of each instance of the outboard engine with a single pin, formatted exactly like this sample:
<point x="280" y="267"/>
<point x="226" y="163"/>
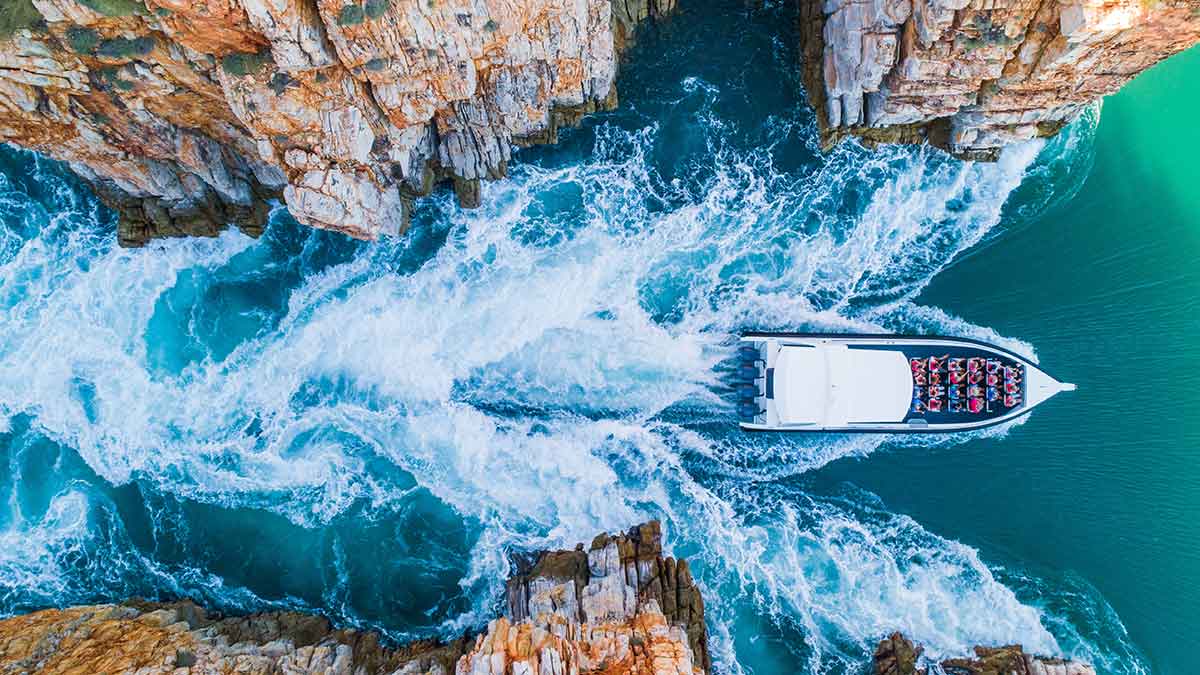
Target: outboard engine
<point x="747" y="411"/>
<point x="747" y="372"/>
<point x="750" y="354"/>
<point x="747" y="392"/>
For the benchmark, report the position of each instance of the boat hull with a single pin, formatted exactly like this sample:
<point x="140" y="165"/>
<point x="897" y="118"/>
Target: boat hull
<point x="861" y="383"/>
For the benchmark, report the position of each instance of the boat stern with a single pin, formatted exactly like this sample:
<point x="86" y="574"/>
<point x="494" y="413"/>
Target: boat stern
<point x="755" y="409"/>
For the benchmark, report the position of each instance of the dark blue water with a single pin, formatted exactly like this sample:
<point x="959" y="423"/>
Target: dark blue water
<point x="367" y="430"/>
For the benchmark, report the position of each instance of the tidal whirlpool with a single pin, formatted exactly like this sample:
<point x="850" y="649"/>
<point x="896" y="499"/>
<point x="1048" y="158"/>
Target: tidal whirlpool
<point x="366" y="430"/>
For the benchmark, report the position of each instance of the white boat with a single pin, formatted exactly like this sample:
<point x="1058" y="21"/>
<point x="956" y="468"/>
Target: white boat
<point x="883" y="383"/>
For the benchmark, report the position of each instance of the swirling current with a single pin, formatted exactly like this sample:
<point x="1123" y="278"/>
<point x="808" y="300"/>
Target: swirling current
<point x="367" y="430"/>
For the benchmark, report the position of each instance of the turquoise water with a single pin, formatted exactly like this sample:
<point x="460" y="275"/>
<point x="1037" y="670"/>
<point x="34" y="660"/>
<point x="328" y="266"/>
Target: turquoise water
<point x="366" y="430"/>
<point x="1105" y="285"/>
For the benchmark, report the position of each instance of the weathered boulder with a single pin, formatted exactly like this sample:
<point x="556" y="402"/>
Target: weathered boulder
<point x="188" y="115"/>
<point x="896" y="655"/>
<point x="974" y="75"/>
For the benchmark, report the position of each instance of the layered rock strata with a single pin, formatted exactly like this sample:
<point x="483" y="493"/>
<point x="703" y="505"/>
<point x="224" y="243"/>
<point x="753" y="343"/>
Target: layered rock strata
<point x="974" y="75"/>
<point x="897" y="655"/>
<point x="569" y="612"/>
<point x="188" y="115"/>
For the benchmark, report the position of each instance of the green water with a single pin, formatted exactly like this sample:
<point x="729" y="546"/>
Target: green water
<point x="1102" y="484"/>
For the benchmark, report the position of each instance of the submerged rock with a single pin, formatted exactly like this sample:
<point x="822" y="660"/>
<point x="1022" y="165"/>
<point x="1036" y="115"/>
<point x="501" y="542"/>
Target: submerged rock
<point x="594" y="611"/>
<point x="189" y="115"/>
<point x="897" y="655"/>
<point x="972" y="76"/>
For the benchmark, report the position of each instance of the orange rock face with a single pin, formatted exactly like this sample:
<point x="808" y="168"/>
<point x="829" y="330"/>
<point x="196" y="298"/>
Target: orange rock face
<point x="975" y="75"/>
<point x="189" y="115"/>
<point x="573" y="612"/>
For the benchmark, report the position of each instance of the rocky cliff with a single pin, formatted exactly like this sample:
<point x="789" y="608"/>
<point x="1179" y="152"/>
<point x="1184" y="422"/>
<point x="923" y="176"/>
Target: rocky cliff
<point x="617" y="608"/>
<point x="974" y="75"/>
<point x="896" y="655"/>
<point x="188" y="115"/>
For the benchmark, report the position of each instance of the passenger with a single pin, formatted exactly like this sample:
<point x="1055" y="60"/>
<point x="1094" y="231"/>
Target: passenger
<point x="976" y="377"/>
<point x="993" y="366"/>
<point x="993" y="380"/>
<point x="956" y="406"/>
<point x="935" y="377"/>
<point x="975" y="405"/>
<point x="993" y="394"/>
<point x="957" y="377"/>
<point x="974" y="391"/>
<point x="957" y="364"/>
<point x="919" y="378"/>
<point x="956" y="392"/>
<point x="974" y="364"/>
<point x="1011" y="373"/>
<point x="1012" y="387"/>
<point x="1011" y="401"/>
<point x="934" y="405"/>
<point x="936" y="391"/>
<point x="917" y="365"/>
<point x="935" y="364"/>
<point x="918" y="392"/>
<point x="918" y="407"/>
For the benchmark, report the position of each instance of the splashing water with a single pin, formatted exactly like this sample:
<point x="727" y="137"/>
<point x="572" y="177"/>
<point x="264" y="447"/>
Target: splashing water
<point x="367" y="430"/>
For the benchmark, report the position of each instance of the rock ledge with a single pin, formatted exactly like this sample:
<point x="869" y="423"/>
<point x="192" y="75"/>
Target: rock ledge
<point x="189" y="115"/>
<point x="619" y="608"/>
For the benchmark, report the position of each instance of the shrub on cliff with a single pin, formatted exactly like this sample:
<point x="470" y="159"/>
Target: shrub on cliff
<point x="354" y="13"/>
<point x="123" y="48"/>
<point x="376" y="8"/>
<point x="115" y="7"/>
<point x="82" y="40"/>
<point x="18" y="14"/>
<point x="351" y="15"/>
<point x="112" y="78"/>
<point x="241" y="64"/>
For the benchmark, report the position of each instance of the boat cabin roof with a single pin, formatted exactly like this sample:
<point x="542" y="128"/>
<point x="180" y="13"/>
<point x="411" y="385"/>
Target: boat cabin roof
<point x="833" y="385"/>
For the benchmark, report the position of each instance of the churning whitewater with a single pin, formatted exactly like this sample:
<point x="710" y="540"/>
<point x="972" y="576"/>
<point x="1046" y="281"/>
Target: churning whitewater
<point x="367" y="429"/>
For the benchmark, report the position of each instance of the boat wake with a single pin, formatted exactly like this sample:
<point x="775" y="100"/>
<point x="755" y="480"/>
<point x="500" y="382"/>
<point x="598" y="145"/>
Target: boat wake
<point x="308" y="422"/>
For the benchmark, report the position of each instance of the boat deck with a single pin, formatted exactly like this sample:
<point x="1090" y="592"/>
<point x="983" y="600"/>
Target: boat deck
<point x="944" y="402"/>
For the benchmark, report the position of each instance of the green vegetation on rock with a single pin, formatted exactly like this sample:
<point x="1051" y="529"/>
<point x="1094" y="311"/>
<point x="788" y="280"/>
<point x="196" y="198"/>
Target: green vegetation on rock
<point x="18" y="14"/>
<point x="113" y="77"/>
<point x="82" y="40"/>
<point x="280" y="82"/>
<point x="351" y="15"/>
<point x="115" y="7"/>
<point x="491" y="26"/>
<point x="241" y="64"/>
<point x="990" y="34"/>
<point x="376" y="8"/>
<point x="124" y="48"/>
<point x="376" y="64"/>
